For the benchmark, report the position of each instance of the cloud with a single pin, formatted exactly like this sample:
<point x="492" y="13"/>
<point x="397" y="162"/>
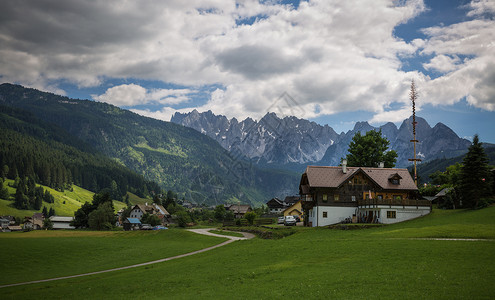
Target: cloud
<point x="330" y="56"/>
<point x="471" y="77"/>
<point x="481" y="7"/>
<point x="133" y="95"/>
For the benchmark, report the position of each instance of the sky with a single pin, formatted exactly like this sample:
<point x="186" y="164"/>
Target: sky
<point x="335" y="62"/>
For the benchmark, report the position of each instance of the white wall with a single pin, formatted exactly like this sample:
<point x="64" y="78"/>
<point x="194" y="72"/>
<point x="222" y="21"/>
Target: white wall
<point x="136" y="213"/>
<point x="334" y="215"/>
<point x="402" y="214"/>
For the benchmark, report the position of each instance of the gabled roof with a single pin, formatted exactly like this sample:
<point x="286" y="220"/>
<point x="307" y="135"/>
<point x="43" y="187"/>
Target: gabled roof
<point x="443" y="192"/>
<point x="240" y="209"/>
<point x="275" y="203"/>
<point x="291" y="199"/>
<point x="152" y="209"/>
<point x="333" y="177"/>
<point x="61" y="219"/>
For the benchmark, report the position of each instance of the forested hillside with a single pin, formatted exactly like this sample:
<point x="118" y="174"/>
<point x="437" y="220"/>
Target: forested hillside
<point x="441" y="164"/>
<point x="176" y="157"/>
<point x="48" y="155"/>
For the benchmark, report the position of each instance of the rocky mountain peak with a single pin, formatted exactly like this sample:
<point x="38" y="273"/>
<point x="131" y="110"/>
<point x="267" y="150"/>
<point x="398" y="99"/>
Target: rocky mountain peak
<point x="293" y="140"/>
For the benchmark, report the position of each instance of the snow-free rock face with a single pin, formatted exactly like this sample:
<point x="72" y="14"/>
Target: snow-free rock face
<point x="293" y="140"/>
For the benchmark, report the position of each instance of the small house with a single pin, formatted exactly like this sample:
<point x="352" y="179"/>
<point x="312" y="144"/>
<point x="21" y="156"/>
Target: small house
<point x="240" y="210"/>
<point x="276" y="206"/>
<point x="132" y="224"/>
<point x="294" y="210"/>
<point x="59" y="222"/>
<point x="154" y="209"/>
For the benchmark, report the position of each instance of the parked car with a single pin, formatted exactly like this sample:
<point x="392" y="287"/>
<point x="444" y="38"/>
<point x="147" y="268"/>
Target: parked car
<point x="159" y="227"/>
<point x="297" y="218"/>
<point x="146" y="227"/>
<point x="290" y="221"/>
<point x="280" y="220"/>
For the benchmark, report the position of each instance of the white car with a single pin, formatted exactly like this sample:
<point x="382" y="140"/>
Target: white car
<point x="280" y="220"/>
<point x="289" y="221"/>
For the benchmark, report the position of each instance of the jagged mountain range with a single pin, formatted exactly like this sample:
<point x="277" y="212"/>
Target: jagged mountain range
<point x="292" y="141"/>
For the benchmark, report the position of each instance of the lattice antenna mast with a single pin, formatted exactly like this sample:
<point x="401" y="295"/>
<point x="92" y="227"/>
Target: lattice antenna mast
<point x="413" y="95"/>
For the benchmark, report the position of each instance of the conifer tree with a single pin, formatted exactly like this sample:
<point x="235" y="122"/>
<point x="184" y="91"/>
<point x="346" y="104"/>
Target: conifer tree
<point x="475" y="183"/>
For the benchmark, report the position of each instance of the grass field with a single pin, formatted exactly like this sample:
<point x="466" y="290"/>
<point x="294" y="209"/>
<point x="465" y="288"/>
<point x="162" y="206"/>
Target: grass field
<point x="390" y="262"/>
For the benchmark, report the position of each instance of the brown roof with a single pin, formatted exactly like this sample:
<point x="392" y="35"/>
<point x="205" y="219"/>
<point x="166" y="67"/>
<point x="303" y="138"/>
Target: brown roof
<point x="152" y="209"/>
<point x="333" y="177"/>
<point x="240" y="209"/>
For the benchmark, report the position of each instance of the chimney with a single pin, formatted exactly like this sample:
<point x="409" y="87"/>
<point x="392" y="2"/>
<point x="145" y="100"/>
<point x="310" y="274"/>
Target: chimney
<point x="344" y="166"/>
<point x="381" y="165"/>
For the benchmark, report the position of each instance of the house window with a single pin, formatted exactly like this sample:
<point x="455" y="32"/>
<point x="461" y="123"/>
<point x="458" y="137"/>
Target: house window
<point x="324" y="197"/>
<point x="379" y="197"/>
<point x="353" y="198"/>
<point x="395" y="181"/>
<point x="355" y="181"/>
<point x="335" y="197"/>
<point x="391" y="214"/>
<point x="325" y="214"/>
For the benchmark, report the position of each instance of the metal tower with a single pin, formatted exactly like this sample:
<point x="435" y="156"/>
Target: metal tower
<point x="413" y="95"/>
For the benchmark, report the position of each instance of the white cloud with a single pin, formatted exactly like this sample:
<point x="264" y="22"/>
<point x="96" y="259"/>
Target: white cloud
<point x="133" y="95"/>
<point x="442" y="63"/>
<point x="473" y="76"/>
<point x="481" y="7"/>
<point x="331" y="56"/>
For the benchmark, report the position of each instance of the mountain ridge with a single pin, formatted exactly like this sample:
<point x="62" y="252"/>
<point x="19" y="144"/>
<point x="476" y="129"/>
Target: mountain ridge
<point x="290" y="140"/>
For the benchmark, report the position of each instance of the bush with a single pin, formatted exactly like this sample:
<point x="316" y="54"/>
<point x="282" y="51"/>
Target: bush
<point x="182" y="218"/>
<point x="250" y="216"/>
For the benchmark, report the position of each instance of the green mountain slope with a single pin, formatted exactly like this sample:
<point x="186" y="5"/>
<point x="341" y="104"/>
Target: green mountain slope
<point x="176" y="157"/>
<point x="30" y="147"/>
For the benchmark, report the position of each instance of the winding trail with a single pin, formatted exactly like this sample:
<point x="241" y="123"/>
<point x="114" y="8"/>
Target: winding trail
<point x="198" y="231"/>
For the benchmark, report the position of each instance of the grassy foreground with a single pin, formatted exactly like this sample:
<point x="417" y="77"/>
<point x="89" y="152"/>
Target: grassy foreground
<point x="389" y="262"/>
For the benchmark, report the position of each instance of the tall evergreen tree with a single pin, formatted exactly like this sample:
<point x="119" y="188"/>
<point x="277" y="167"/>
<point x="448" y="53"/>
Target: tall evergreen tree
<point x="475" y="182"/>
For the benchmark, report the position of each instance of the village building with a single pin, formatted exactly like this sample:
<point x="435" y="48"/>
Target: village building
<point x="276" y="206"/>
<point x="35" y="222"/>
<point x="60" y="222"/>
<point x="4" y="223"/>
<point x="294" y="210"/>
<point x="132" y="224"/>
<point x="154" y="209"/>
<point x="239" y="210"/>
<point x="333" y="195"/>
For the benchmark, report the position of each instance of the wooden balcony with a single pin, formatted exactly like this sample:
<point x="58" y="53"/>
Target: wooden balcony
<point x="394" y="202"/>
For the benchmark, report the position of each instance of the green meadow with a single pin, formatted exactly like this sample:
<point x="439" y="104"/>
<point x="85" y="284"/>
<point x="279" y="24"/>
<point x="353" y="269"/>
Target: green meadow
<point x="401" y="261"/>
<point x="65" y="204"/>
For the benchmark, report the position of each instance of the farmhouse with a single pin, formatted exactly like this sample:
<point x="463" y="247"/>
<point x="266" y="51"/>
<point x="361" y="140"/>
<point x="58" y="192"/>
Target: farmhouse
<point x="154" y="209"/>
<point x="35" y="222"/>
<point x="240" y="210"/>
<point x="59" y="222"/>
<point x="276" y="206"/>
<point x="332" y="195"/>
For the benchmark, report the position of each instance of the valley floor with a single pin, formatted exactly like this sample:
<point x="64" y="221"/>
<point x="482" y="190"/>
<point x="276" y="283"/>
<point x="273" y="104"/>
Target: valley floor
<point x="445" y="255"/>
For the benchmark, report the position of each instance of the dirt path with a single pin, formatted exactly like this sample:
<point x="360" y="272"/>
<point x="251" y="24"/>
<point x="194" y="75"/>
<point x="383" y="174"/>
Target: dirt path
<point x="199" y="231"/>
<point x="206" y="231"/>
